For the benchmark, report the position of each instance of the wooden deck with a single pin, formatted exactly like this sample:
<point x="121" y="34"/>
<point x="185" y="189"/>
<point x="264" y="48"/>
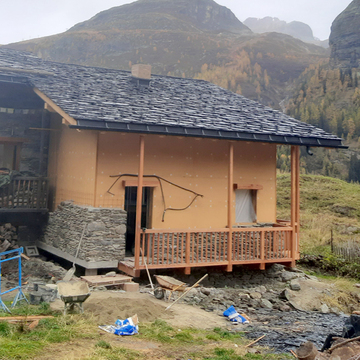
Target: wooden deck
<point x="24" y="194"/>
<point x="202" y="248"/>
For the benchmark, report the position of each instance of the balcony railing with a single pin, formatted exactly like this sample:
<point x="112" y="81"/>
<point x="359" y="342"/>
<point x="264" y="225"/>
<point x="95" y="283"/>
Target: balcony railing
<point x="170" y="249"/>
<point x="24" y="193"/>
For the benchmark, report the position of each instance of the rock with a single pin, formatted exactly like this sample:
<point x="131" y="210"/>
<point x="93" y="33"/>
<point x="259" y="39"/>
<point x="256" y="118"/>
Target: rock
<point x="261" y="289"/>
<point x="311" y="277"/>
<point x="295" y="285"/>
<point x="344" y="39"/>
<point x="284" y="308"/>
<point x="295" y="306"/>
<point x="357" y="285"/>
<point x="287" y="276"/>
<point x="121" y="229"/>
<point x="324" y="309"/>
<point x="205" y="291"/>
<point x="96" y="226"/>
<point x="266" y="304"/>
<point x="255" y="295"/>
<point x="285" y="294"/>
<point x="244" y="297"/>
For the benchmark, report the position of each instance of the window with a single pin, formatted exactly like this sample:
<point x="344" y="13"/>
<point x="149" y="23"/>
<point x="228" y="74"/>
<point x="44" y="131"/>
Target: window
<point x="245" y="206"/>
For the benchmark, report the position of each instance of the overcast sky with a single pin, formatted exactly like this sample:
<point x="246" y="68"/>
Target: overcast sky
<point x="27" y="19"/>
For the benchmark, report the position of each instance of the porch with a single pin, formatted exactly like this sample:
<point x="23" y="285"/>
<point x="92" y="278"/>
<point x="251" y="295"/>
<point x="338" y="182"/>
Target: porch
<point x="202" y="248"/>
<point x="226" y="247"/>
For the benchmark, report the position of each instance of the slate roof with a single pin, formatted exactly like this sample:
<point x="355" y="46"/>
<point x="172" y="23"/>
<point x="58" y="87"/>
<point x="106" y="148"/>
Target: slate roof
<point x="106" y="99"/>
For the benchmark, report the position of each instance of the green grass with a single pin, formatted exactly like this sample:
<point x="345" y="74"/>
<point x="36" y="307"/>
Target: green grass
<point x="325" y="204"/>
<point x="17" y="342"/>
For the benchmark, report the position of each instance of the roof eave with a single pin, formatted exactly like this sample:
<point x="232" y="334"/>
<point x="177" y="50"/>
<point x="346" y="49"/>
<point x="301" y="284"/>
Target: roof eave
<point x="207" y="133"/>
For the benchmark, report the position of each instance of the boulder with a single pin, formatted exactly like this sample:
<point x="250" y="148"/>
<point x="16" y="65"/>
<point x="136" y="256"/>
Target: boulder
<point x="295" y="285"/>
<point x="287" y="276"/>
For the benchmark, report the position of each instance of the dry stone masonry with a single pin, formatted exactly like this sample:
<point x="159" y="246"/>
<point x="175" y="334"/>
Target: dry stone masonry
<point x="104" y="236"/>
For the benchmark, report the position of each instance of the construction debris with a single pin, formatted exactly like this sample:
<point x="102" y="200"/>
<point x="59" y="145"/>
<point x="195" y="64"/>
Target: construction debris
<point x="344" y="347"/>
<point x="104" y="280"/>
<point x="8" y="237"/>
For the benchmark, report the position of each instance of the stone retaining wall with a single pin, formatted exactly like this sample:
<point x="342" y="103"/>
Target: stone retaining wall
<point x="104" y="236"/>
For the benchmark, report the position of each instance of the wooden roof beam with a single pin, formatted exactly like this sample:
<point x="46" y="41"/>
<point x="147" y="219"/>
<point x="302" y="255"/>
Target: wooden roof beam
<point x="49" y="103"/>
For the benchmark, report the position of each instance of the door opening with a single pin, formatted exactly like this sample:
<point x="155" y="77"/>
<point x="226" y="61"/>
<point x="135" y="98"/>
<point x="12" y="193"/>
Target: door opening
<point x="130" y="208"/>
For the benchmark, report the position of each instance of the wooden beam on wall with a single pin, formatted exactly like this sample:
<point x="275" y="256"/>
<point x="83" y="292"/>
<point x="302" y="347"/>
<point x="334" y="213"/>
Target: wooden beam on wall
<point x="55" y="107"/>
<point x="230" y="204"/>
<point x="139" y="201"/>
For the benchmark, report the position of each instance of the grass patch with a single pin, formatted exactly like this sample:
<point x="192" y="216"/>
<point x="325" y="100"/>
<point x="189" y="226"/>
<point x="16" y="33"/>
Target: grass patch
<point x="219" y="334"/>
<point x="325" y="204"/>
<point x="17" y="342"/>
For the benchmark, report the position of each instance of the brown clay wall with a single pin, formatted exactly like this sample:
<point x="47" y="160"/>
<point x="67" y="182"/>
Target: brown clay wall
<point x="197" y="164"/>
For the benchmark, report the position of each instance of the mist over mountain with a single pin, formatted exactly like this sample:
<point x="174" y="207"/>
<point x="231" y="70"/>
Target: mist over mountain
<point x="297" y="29"/>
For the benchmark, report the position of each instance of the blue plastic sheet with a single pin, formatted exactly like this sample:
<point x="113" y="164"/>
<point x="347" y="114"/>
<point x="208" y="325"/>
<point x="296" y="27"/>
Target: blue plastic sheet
<point x="122" y="327"/>
<point x="234" y="316"/>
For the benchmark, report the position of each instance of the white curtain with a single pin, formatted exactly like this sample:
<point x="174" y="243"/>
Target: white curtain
<point x="244" y="208"/>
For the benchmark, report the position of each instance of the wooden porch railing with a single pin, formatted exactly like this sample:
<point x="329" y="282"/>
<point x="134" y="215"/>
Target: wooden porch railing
<point x="28" y="193"/>
<point x="179" y="248"/>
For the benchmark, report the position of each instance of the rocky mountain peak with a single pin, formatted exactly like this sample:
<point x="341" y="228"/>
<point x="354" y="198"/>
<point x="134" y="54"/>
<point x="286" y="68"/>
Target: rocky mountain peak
<point x="345" y="37"/>
<point x="203" y="15"/>
<point x="295" y="29"/>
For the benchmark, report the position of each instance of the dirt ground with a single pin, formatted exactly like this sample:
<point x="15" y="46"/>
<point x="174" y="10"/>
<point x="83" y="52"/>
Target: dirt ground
<point x="107" y="306"/>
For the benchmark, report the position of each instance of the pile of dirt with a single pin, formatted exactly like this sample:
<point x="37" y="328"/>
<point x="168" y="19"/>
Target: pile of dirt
<point x="106" y="310"/>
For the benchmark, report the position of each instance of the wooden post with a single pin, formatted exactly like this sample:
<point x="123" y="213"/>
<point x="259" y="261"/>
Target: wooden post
<point x="139" y="203"/>
<point x="297" y="206"/>
<point x="187" y="269"/>
<point x="295" y="202"/>
<point x="262" y="250"/>
<point x="230" y="205"/>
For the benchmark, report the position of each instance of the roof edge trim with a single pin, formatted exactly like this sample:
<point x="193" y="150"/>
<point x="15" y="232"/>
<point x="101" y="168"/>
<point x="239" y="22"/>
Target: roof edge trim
<point x="204" y="133"/>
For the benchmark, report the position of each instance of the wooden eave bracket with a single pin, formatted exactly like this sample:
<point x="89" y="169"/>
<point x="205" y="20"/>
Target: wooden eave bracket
<point x="51" y="106"/>
<point x="248" y="187"/>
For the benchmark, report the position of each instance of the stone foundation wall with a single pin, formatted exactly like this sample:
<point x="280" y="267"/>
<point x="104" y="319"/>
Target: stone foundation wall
<point x="104" y="236"/>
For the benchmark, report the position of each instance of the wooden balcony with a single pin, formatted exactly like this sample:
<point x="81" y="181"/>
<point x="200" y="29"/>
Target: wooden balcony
<point x="24" y="194"/>
<point x="162" y="249"/>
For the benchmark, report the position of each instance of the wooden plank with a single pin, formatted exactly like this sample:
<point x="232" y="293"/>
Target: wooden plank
<point x="297" y="206"/>
<point x="139" y="201"/>
<point x="293" y="201"/>
<point x="57" y="108"/>
<point x="13" y="140"/>
<point x="146" y="183"/>
<point x="25" y="318"/>
<point x="248" y="187"/>
<point x="100" y="280"/>
<point x="230" y="205"/>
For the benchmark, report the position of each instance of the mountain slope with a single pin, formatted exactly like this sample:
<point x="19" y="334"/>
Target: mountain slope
<point x="180" y="15"/>
<point x="183" y="38"/>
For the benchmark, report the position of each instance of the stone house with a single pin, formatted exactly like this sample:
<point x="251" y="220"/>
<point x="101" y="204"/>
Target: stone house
<point x="177" y="173"/>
